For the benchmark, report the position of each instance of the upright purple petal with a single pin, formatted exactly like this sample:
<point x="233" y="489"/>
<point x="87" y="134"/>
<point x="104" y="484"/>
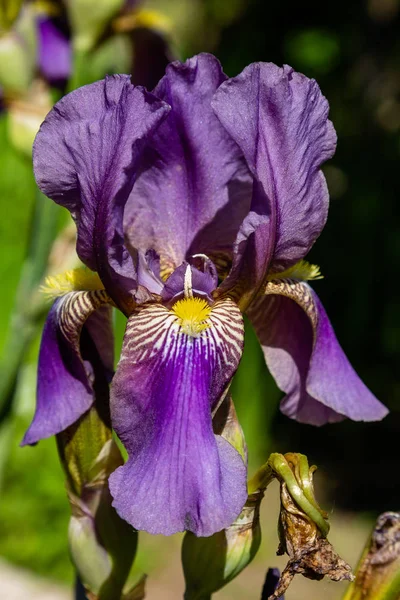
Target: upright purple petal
<point x="179" y="475"/>
<point x="55" y="51"/>
<point x="86" y="155"/>
<point x="279" y="119"/>
<point x="193" y="190"/>
<point x="65" y="376"/>
<point x="307" y="362"/>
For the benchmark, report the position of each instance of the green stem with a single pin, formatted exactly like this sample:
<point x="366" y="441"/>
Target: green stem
<point x="261" y="480"/>
<point x="29" y="308"/>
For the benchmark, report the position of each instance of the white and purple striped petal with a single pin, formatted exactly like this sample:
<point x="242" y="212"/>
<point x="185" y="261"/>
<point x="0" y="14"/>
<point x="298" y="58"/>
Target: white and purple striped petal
<point x="76" y="336"/>
<point x="179" y="475"/>
<point x="306" y="360"/>
<point x="86" y="157"/>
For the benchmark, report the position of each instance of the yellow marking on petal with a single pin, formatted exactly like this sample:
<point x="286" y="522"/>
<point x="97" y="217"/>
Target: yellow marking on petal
<point x="75" y="280"/>
<point x="301" y="271"/>
<point x="193" y="315"/>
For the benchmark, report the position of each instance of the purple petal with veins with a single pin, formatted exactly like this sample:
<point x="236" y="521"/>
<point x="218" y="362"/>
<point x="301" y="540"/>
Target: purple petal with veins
<point x="86" y="156"/>
<point x="194" y="188"/>
<point x="307" y="362"/>
<point x="279" y="118"/>
<point x="65" y="373"/>
<point x="179" y="475"/>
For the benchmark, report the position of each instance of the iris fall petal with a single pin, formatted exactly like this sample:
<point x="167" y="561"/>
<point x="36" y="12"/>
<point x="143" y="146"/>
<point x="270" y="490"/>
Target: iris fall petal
<point x="306" y="360"/>
<point x="179" y="475"/>
<point x="64" y="388"/>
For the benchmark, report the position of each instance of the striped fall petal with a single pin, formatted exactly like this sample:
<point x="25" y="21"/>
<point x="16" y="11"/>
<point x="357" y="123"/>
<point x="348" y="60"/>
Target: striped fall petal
<point x="64" y="388"/>
<point x="305" y="357"/>
<point x="175" y="367"/>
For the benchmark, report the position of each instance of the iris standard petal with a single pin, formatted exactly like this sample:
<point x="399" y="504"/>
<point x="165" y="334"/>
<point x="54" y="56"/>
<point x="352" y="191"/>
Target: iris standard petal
<point x="279" y="119"/>
<point x="55" y="51"/>
<point x="64" y="385"/>
<point x="193" y="190"/>
<point x="86" y="155"/>
<point x="306" y="360"/>
<point x="179" y="475"/>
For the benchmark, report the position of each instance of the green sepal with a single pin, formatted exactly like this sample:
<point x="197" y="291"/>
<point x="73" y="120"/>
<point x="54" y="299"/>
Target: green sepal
<point x="81" y="448"/>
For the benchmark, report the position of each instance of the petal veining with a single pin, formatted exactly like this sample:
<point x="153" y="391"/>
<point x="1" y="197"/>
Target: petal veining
<point x="86" y="156"/>
<point x="279" y="118"/>
<point x="64" y="387"/>
<point x="194" y="187"/>
<point x="306" y="360"/>
<point x="179" y="475"/>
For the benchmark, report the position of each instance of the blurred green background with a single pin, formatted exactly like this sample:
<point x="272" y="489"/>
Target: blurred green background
<point x="353" y="50"/>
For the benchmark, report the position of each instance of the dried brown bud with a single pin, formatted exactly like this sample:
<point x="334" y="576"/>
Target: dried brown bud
<point x="309" y="551"/>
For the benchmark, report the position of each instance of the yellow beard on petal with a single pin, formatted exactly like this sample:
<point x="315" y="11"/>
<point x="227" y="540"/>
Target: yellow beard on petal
<point x="301" y="271"/>
<point x="193" y="315"/>
<point x="81" y="279"/>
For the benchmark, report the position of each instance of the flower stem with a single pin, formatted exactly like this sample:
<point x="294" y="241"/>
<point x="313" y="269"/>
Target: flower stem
<point x="29" y="306"/>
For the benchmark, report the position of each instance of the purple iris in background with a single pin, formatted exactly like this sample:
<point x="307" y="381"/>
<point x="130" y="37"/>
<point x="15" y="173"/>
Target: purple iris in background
<point x="54" y="49"/>
<point x="194" y="203"/>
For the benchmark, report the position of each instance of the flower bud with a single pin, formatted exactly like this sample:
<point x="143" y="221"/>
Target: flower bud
<point x="87" y="554"/>
<point x="18" y="54"/>
<point x="16" y="69"/>
<point x="378" y="573"/>
<point x="303" y="525"/>
<point x="102" y="545"/>
<point x="210" y="563"/>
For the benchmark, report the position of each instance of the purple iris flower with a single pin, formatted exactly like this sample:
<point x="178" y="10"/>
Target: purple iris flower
<point x="194" y="204"/>
<point x="55" y="51"/>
